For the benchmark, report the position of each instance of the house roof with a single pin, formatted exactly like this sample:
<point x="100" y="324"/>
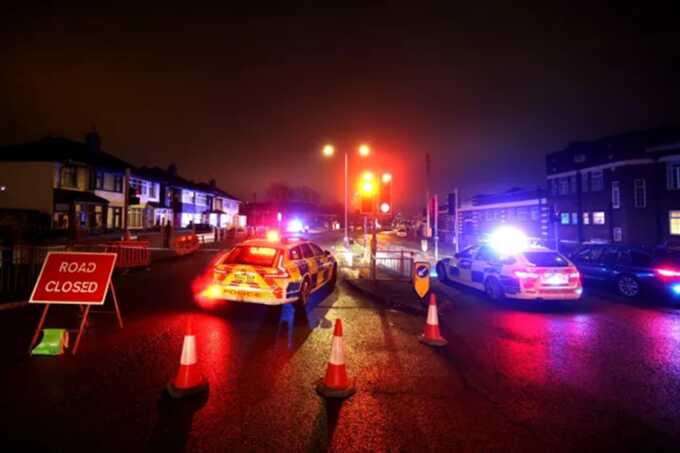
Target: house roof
<point x="58" y="149"/>
<point x="160" y="175"/>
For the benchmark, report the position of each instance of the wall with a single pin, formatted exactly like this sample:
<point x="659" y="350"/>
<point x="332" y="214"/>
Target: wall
<point x="28" y="185"/>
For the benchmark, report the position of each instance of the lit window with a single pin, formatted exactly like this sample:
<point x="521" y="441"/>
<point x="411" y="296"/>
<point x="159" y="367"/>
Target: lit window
<point x="596" y="180"/>
<point x="564" y="218"/>
<point x="674" y="217"/>
<point x="534" y="214"/>
<point x="574" y="218"/>
<point x="598" y="218"/>
<point x="616" y="195"/>
<point x="69" y="177"/>
<point x="673" y="175"/>
<point x="640" y="193"/>
<point x="586" y="218"/>
<point x="187" y="197"/>
<point x="118" y="183"/>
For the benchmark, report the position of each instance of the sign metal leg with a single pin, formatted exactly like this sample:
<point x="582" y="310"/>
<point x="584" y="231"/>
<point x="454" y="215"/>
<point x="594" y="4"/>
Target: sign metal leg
<point x="115" y="304"/>
<point x="39" y="328"/>
<point x="80" y="332"/>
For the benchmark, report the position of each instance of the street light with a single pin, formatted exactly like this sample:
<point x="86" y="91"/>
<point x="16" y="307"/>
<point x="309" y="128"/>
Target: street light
<point x="328" y="151"/>
<point x="386" y="178"/>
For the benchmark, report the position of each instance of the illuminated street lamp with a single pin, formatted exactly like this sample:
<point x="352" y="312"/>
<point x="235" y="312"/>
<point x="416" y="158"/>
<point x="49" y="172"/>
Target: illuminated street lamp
<point x="328" y="151"/>
<point x="386" y="178"/>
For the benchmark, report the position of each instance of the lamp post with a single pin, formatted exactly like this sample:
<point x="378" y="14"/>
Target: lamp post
<point x="329" y="151"/>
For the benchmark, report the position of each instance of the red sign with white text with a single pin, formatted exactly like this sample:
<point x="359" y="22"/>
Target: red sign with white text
<point x="74" y="278"/>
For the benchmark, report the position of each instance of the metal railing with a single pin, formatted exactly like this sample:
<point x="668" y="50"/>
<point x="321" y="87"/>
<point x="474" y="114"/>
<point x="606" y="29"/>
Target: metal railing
<point x="19" y="269"/>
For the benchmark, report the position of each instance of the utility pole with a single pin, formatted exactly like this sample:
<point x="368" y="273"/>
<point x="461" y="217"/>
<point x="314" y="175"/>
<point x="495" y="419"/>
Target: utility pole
<point x="435" y="217"/>
<point x="455" y="220"/>
<point x="427" y="196"/>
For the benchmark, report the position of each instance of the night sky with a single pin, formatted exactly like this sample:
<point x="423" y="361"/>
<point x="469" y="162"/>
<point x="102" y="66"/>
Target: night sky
<point x="250" y="96"/>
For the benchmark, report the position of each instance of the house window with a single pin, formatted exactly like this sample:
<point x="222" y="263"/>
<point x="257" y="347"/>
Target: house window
<point x="534" y="214"/>
<point x="118" y="183"/>
<point x="617" y="232"/>
<point x="564" y="218"/>
<point x="488" y="215"/>
<point x="584" y="182"/>
<point x="69" y="176"/>
<point x="640" y="193"/>
<point x="564" y="185"/>
<point x="674" y="218"/>
<point x="586" y="218"/>
<point x="99" y="181"/>
<point x="522" y="214"/>
<point x="187" y="197"/>
<point x="574" y="218"/>
<point x="598" y="218"/>
<point x="135" y="217"/>
<point x="116" y="218"/>
<point x="201" y="199"/>
<point x="553" y="187"/>
<point x="616" y="195"/>
<point x="572" y="183"/>
<point x="673" y="175"/>
<point x="596" y="181"/>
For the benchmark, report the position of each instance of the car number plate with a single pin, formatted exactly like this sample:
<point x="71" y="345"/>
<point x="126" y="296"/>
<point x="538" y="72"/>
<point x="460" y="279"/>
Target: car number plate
<point x="243" y="277"/>
<point x="556" y="279"/>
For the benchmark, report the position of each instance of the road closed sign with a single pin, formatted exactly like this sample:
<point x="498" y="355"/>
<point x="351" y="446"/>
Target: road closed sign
<point x="74" y="278"/>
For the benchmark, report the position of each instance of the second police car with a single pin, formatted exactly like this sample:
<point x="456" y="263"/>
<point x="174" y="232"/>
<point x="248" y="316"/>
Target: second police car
<point x="504" y="269"/>
<point x="272" y="272"/>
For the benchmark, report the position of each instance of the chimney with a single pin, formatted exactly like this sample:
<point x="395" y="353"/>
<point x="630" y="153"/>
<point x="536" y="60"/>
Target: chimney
<point x="213" y="183"/>
<point x="172" y="169"/>
<point x="93" y="141"/>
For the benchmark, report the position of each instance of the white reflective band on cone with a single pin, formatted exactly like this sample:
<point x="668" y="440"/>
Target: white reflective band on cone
<point x="188" y="351"/>
<point x="432" y="318"/>
<point x="337" y="351"/>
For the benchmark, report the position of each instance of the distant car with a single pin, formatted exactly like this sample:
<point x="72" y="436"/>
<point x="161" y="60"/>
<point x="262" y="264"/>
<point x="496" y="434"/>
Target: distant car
<point x="402" y="232"/>
<point x="631" y="270"/>
<point x="534" y="273"/>
<point x="272" y="272"/>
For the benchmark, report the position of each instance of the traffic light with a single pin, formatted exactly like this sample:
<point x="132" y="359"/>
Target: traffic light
<point x="367" y="191"/>
<point x="385" y="199"/>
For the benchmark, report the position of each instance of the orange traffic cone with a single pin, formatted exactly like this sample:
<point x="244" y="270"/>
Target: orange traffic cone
<point x="189" y="379"/>
<point x="336" y="384"/>
<point x="431" y="336"/>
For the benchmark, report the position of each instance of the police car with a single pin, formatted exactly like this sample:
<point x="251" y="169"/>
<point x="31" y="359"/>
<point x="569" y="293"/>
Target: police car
<point x="504" y="271"/>
<point x="272" y="272"/>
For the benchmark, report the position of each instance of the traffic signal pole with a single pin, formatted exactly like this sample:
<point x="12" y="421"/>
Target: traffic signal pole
<point x="346" y="201"/>
<point x="435" y="216"/>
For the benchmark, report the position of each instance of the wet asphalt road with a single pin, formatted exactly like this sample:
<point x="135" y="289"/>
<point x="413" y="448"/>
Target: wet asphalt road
<point x="602" y="376"/>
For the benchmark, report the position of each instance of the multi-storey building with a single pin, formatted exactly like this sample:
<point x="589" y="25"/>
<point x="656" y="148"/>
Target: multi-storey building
<point x="623" y="188"/>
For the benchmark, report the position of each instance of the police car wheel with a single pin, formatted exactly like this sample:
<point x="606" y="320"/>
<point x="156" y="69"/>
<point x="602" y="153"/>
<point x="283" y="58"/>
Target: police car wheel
<point x="493" y="289"/>
<point x="305" y="290"/>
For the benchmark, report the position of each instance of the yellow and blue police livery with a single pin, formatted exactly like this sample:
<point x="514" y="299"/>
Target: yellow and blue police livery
<point x="272" y="272"/>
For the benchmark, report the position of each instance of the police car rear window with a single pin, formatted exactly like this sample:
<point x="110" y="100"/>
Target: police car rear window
<point x="253" y="255"/>
<point x="547" y="259"/>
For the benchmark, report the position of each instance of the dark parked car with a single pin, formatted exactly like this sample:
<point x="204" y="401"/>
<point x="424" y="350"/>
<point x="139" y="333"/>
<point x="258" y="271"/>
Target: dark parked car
<point x="631" y="270"/>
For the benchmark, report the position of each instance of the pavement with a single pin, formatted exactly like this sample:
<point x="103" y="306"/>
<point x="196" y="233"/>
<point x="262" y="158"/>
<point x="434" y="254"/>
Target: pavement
<point x="600" y="375"/>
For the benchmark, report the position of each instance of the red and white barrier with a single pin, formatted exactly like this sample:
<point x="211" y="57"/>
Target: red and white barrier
<point x="131" y="254"/>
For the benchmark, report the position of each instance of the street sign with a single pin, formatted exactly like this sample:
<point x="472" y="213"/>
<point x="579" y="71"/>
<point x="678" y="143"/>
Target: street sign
<point x="74" y="278"/>
<point x="421" y="278"/>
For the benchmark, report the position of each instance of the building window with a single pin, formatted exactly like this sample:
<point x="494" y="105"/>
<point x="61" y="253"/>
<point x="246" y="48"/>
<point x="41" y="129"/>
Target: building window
<point x="564" y="185"/>
<point x="69" y="176"/>
<point x="118" y="183"/>
<point x="187" y="197"/>
<point x="584" y="182"/>
<point x="134" y="217"/>
<point x="616" y="195"/>
<point x="201" y="199"/>
<point x="488" y="215"/>
<point x="617" y="232"/>
<point x="596" y="181"/>
<point x="674" y="218"/>
<point x="522" y="214"/>
<point x="117" y="218"/>
<point x="640" y="193"/>
<point x="564" y="218"/>
<point x="586" y="218"/>
<point x="534" y="214"/>
<point x="572" y="183"/>
<point x="598" y="218"/>
<point x="553" y="187"/>
<point x="673" y="175"/>
<point x="574" y="218"/>
<point x="99" y="181"/>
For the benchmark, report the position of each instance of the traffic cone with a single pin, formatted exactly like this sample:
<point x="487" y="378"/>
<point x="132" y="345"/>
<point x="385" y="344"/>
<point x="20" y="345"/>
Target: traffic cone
<point x="431" y="336"/>
<point x="189" y="379"/>
<point x="336" y="384"/>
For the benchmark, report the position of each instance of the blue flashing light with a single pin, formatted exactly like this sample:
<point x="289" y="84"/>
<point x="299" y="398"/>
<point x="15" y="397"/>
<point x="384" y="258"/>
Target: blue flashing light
<point x="295" y="226"/>
<point x="676" y="289"/>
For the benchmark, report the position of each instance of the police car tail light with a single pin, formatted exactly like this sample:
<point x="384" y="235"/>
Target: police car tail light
<point x="525" y="275"/>
<point x="219" y="274"/>
<point x="574" y="277"/>
<point x="280" y="271"/>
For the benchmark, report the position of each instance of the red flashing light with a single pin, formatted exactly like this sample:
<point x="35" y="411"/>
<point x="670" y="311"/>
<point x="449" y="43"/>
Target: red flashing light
<point x="665" y="272"/>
